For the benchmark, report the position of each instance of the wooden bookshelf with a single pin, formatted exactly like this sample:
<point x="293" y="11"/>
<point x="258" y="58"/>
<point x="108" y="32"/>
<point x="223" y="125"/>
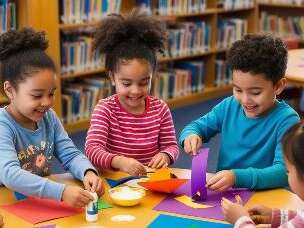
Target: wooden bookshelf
<point x="44" y="15"/>
<point x="3" y="99"/>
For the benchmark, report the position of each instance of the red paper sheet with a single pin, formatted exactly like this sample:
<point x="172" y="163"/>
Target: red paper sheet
<point x="36" y="210"/>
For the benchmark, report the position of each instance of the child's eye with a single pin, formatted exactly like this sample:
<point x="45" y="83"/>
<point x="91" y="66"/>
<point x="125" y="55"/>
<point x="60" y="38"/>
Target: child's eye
<point x="36" y="96"/>
<point x="126" y="84"/>
<point x="256" y="93"/>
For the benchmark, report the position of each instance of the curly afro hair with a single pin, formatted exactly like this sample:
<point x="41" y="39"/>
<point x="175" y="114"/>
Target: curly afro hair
<point x="134" y="36"/>
<point x="259" y="54"/>
<point x="21" y="52"/>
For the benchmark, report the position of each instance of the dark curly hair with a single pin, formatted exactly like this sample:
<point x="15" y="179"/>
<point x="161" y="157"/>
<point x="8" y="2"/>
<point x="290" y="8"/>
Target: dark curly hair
<point x="21" y="52"/>
<point x="293" y="144"/>
<point x="134" y="36"/>
<point x="259" y="54"/>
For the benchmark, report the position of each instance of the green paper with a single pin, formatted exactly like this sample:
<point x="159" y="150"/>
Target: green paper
<point x="103" y="205"/>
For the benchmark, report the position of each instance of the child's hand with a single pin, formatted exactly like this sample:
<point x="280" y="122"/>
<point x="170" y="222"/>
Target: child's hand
<point x="192" y="143"/>
<point x="93" y="183"/>
<point x="1" y="221"/>
<point x="233" y="211"/>
<point x="129" y="165"/>
<point x="260" y="214"/>
<point x="76" y="196"/>
<point x="160" y="160"/>
<point x="221" y="181"/>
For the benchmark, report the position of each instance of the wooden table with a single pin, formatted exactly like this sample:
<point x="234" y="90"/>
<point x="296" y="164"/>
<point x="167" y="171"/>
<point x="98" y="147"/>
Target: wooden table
<point x="295" y="67"/>
<point x="143" y="213"/>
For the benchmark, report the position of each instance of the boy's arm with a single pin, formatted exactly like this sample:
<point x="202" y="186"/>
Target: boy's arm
<point x="95" y="145"/>
<point x="167" y="138"/>
<point x="18" y="179"/>
<point x="206" y="126"/>
<point x="65" y="150"/>
<point x="270" y="177"/>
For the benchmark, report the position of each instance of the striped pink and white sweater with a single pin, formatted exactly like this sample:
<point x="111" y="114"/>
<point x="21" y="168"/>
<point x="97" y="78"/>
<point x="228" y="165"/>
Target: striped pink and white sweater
<point x="280" y="219"/>
<point x="114" y="131"/>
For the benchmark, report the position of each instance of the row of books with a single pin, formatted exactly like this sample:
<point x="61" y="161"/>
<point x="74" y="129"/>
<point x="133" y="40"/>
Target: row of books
<point x="188" y="38"/>
<point x="230" y="30"/>
<point x="223" y="74"/>
<point x="182" y="79"/>
<point x="169" y="7"/>
<point x="7" y="15"/>
<point x="80" y="98"/>
<point x="77" y="54"/>
<point x="284" y="2"/>
<point x="282" y="26"/>
<point x="234" y="4"/>
<point x="80" y="11"/>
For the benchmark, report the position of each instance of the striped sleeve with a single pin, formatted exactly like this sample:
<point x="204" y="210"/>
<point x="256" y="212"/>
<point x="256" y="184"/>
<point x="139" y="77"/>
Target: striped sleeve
<point x="167" y="138"/>
<point x="95" y="146"/>
<point x="281" y="218"/>
<point x="244" y="222"/>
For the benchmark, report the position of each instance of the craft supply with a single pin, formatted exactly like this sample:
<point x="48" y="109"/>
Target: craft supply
<point x="198" y="175"/>
<point x="92" y="209"/>
<point x="126" y="196"/>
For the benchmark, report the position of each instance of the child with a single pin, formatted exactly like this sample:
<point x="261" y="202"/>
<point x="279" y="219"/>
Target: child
<point x="131" y="129"/>
<point x="252" y="121"/>
<point x="31" y="133"/>
<point x="293" y="144"/>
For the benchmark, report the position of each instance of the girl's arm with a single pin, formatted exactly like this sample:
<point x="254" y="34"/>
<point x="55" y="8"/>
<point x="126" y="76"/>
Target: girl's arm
<point x="280" y="217"/>
<point x="95" y="146"/>
<point x="167" y="138"/>
<point x="18" y="179"/>
<point x="65" y="150"/>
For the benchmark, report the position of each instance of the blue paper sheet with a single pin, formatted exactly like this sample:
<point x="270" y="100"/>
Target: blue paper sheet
<point x="19" y="196"/>
<point x="179" y="222"/>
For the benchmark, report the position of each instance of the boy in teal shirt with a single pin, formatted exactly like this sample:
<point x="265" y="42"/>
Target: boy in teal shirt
<point x="251" y="122"/>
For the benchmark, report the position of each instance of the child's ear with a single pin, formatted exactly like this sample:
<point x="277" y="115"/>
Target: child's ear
<point x="8" y="90"/>
<point x="280" y="86"/>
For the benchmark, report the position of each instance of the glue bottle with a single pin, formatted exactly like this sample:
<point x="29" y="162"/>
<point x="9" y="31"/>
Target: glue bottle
<point x="92" y="209"/>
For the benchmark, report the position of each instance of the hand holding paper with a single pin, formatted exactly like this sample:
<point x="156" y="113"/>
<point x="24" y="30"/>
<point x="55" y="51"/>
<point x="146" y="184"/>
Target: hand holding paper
<point x="232" y="211"/>
<point x="221" y="181"/>
<point x="128" y="165"/>
<point x="192" y="143"/>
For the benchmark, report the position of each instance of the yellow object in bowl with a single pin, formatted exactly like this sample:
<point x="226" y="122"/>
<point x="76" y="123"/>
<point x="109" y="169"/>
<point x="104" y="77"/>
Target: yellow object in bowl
<point x="126" y="196"/>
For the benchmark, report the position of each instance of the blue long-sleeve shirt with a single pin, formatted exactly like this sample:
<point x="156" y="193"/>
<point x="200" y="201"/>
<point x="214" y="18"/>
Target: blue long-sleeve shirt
<point x="25" y="155"/>
<point x="251" y="147"/>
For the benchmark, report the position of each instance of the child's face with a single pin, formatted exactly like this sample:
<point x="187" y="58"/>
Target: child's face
<point x="33" y="97"/>
<point x="295" y="182"/>
<point x="255" y="93"/>
<point x="132" y="83"/>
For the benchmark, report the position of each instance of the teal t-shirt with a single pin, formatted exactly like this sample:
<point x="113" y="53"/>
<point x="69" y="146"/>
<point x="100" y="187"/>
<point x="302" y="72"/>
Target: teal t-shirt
<point x="251" y="147"/>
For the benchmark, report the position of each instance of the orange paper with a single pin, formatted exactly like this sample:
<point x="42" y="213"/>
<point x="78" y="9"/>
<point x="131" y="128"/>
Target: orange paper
<point x="162" y="181"/>
<point x="36" y="210"/>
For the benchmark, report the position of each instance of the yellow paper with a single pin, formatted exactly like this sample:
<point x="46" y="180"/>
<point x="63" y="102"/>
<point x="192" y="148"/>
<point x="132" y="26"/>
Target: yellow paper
<point x="161" y="174"/>
<point x="188" y="202"/>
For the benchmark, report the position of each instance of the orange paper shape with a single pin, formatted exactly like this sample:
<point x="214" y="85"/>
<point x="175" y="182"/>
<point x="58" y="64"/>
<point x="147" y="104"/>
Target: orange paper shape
<point x="161" y="174"/>
<point x="167" y="186"/>
<point x="35" y="210"/>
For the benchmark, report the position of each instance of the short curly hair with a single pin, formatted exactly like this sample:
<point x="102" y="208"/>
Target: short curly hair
<point x="21" y="52"/>
<point x="134" y="36"/>
<point x="259" y="54"/>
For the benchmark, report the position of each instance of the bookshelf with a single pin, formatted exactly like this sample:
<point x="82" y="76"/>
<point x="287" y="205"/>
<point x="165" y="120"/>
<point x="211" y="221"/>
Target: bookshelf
<point x="46" y="15"/>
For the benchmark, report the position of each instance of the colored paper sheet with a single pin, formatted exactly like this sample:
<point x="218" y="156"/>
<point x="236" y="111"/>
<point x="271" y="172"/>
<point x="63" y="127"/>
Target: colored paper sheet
<point x="169" y="204"/>
<point x="198" y="175"/>
<point x="113" y="183"/>
<point x="166" y="186"/>
<point x="103" y="204"/>
<point x="19" y="196"/>
<point x="46" y="226"/>
<point x="178" y="222"/>
<point x="35" y="210"/>
<point x="188" y="201"/>
<point x="161" y="174"/>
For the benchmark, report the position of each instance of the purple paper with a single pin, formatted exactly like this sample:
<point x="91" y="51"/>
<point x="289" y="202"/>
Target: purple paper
<point x="46" y="226"/>
<point x="198" y="175"/>
<point x="169" y="204"/>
